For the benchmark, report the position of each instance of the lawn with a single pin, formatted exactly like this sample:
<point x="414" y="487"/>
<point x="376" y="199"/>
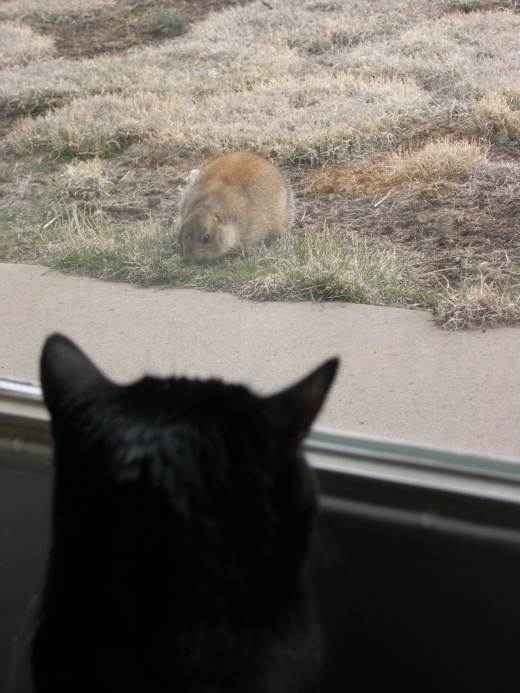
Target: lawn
<point x="397" y="122"/>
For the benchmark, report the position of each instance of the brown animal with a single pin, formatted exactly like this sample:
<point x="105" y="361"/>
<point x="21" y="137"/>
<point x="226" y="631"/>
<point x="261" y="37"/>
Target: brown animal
<point x="236" y="200"/>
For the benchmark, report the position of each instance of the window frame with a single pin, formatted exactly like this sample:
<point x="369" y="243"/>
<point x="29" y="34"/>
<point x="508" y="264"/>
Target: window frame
<point x="24" y="421"/>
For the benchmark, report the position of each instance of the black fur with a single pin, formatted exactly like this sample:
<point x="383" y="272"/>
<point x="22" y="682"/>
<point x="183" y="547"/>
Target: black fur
<point x="183" y="519"/>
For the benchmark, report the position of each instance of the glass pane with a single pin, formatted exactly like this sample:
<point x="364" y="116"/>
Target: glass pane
<point x="394" y="123"/>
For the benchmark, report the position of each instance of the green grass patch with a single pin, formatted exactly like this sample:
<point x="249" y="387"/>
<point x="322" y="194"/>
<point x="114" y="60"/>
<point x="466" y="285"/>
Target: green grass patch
<point x="325" y="264"/>
<point x="168" y="23"/>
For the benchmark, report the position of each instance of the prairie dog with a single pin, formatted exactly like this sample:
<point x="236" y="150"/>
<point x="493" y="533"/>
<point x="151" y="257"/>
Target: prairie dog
<point x="235" y="201"/>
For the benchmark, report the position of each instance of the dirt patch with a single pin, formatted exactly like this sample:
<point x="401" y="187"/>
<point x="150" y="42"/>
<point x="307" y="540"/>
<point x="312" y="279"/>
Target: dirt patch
<point x="128" y="23"/>
<point x="463" y="229"/>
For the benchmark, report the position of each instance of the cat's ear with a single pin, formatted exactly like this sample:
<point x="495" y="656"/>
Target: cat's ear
<point x="294" y="409"/>
<point x="66" y="373"/>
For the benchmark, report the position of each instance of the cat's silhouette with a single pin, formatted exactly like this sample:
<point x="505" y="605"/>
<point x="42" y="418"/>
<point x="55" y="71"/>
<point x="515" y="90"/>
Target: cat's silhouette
<point x="183" y="522"/>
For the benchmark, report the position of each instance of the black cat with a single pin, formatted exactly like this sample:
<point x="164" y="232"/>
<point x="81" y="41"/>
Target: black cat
<point x="183" y="517"/>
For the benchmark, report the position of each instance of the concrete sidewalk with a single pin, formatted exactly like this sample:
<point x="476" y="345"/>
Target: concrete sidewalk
<point x="401" y="377"/>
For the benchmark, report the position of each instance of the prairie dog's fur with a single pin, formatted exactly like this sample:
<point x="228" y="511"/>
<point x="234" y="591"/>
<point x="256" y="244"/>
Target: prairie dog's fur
<point x="235" y="201"/>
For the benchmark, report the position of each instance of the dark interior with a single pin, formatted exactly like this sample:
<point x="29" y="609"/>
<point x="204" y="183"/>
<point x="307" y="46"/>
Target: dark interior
<point x="418" y="589"/>
<point x="421" y="592"/>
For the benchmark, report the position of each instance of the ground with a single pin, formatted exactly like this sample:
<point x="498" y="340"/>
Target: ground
<point x="397" y="122"/>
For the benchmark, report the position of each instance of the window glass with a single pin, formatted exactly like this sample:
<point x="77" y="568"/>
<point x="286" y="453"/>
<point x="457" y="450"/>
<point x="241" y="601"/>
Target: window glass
<point x="395" y="124"/>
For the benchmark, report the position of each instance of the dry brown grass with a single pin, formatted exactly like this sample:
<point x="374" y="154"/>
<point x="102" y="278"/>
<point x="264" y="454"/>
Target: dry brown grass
<point x="85" y="180"/>
<point x="481" y="306"/>
<point x="414" y="69"/>
<point x="262" y="70"/>
<point x="19" y="45"/>
<point x="22" y="8"/>
<point x="405" y="109"/>
<point x="498" y="115"/>
<point x="458" y="57"/>
<point x="310" y="119"/>
<point x="437" y="161"/>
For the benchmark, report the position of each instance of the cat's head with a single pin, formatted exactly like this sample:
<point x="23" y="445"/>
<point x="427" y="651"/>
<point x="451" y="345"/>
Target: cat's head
<point x="178" y="484"/>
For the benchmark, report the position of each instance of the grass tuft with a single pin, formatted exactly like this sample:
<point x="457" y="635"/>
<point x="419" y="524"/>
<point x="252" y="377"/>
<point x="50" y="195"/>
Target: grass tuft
<point x="497" y="114"/>
<point x="437" y="161"/>
<point x="20" y="45"/>
<point x="477" y="307"/>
